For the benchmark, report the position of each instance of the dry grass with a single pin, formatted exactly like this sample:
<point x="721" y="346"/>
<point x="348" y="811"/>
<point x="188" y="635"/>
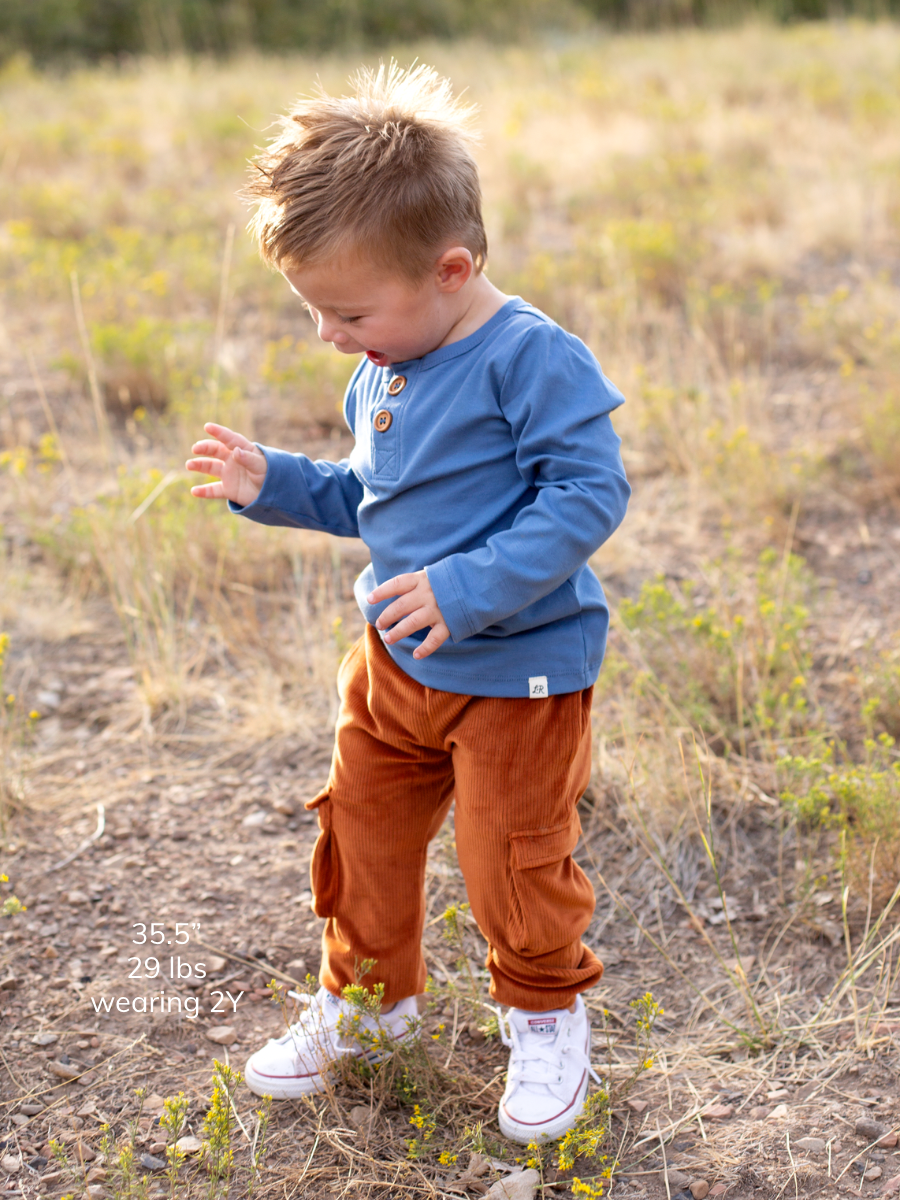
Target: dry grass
<point x="717" y="214"/>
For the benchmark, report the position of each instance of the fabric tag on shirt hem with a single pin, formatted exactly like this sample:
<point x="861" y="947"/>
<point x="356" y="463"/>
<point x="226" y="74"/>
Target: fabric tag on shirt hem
<point x="537" y="687"/>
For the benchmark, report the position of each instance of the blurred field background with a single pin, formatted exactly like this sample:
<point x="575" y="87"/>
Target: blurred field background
<point x="716" y="211"/>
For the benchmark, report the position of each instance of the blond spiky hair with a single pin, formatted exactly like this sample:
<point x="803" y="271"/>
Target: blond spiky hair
<point x="385" y="173"/>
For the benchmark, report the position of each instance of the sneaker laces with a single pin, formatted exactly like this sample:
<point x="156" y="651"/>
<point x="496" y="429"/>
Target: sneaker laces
<point x="540" y="1062"/>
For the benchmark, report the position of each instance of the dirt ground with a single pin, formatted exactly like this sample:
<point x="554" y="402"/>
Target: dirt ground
<point x="183" y="838"/>
<point x="211" y="842"/>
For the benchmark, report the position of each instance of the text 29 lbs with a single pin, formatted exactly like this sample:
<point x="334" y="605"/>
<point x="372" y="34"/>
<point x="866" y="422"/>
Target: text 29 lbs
<point x="178" y="968"/>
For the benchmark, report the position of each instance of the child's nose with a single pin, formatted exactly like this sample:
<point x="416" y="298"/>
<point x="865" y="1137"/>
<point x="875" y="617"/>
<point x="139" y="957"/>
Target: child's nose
<point x="330" y="332"/>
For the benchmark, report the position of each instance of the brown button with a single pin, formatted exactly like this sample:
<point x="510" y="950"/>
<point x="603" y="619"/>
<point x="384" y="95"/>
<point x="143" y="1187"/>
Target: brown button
<point x="396" y="386"/>
<point x="382" y="420"/>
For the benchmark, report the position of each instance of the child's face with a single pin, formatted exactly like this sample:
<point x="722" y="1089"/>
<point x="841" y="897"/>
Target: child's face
<point x="360" y="308"/>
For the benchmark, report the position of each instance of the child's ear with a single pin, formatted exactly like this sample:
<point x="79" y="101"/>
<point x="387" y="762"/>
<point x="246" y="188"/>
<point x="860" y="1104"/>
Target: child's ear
<point x="453" y="269"/>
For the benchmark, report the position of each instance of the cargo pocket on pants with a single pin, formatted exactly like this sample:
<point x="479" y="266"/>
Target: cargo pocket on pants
<point x="323" y="869"/>
<point x="552" y="899"/>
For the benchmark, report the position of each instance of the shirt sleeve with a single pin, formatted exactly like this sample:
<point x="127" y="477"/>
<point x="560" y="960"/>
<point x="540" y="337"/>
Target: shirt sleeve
<point x="306" y="494"/>
<point x="557" y="401"/>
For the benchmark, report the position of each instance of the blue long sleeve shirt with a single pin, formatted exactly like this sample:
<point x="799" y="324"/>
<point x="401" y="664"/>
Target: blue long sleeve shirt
<point x="494" y="467"/>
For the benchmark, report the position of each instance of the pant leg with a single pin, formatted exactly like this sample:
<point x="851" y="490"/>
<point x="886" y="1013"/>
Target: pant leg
<point x="521" y="767"/>
<point x="387" y="795"/>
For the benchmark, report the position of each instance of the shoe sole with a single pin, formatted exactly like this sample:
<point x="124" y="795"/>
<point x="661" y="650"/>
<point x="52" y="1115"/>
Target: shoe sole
<point x="293" y="1087"/>
<point x="547" y="1131"/>
<point x="280" y="1088"/>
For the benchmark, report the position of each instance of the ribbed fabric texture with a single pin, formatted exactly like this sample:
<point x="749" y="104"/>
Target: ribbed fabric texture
<point x="516" y="769"/>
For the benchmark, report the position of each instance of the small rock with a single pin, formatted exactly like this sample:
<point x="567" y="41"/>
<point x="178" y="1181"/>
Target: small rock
<point x="868" y="1128"/>
<point x="44" y="1039"/>
<point x="813" y="1144"/>
<point x="158" y="1149"/>
<point x="38" y="1162"/>
<point x="222" y="1035"/>
<point x="888" y="1141"/>
<point x="9" y="984"/>
<point x="892" y="1185"/>
<point x="154" y="1103"/>
<point x="64" y="1070"/>
<point x="872" y="1174"/>
<point x="20" y="1119"/>
<point x="95" y="1175"/>
<point x="49" y="952"/>
<point x="284" y="807"/>
<point x="777" y="1094"/>
<point x="216" y="963"/>
<point x="886" y="1028"/>
<point x="31" y="1110"/>
<point x="77" y="897"/>
<point x="189" y="1144"/>
<point x="151" y="1163"/>
<point x="759" y="1112"/>
<point x="84" y="1153"/>
<point x="254" y="819"/>
<point x="96" y="1191"/>
<point x="677" y="1179"/>
<point x="699" y="1189"/>
<point x="361" y="1118"/>
<point x="779" y="1113"/>
<point x="718" y="1112"/>
<point x="520" y="1186"/>
<point x="637" y="1106"/>
<point x="10" y="1163"/>
<point x="718" y="1189"/>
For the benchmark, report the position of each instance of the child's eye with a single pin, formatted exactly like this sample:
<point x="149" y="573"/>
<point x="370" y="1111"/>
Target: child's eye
<point x="347" y="320"/>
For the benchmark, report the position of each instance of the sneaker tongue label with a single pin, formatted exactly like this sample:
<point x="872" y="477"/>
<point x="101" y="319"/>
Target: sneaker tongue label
<point x="542" y="1025"/>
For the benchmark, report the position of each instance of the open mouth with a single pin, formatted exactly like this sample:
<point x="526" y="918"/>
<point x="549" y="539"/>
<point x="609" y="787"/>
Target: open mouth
<point x="378" y="357"/>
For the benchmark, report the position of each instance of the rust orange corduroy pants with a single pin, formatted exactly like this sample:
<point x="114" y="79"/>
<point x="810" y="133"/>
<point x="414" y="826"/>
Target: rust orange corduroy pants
<point x="516" y="769"/>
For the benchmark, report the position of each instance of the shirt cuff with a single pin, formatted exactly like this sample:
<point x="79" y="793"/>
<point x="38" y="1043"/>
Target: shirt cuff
<point x="449" y="600"/>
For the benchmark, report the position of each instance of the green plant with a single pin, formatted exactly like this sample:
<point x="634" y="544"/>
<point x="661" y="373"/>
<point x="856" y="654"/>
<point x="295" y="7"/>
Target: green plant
<point x="218" y="1153"/>
<point x="735" y="667"/>
<point x="259" y="1146"/>
<point x="173" y="1119"/>
<point x="425" y="1124"/>
<point x="454" y="924"/>
<point x="859" y="801"/>
<point x="17" y="724"/>
<point x="588" y="1139"/>
<point x="12" y="905"/>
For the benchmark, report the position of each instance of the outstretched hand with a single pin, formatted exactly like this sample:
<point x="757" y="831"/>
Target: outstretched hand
<point x="415" y="608"/>
<point x="240" y="466"/>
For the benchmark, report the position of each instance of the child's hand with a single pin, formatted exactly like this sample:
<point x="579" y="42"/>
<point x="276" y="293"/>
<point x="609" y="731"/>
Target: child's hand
<point x="240" y="466"/>
<point x="417" y="604"/>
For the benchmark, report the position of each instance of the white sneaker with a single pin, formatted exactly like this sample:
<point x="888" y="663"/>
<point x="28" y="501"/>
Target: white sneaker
<point x="549" y="1065"/>
<point x="302" y="1060"/>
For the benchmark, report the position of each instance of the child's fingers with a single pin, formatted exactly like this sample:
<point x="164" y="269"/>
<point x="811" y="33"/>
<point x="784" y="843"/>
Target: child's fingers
<point x="438" y="635"/>
<point x="398" y="586"/>
<point x="401" y="607"/>
<point x="231" y="439"/>
<point x="209" y="491"/>
<point x="211" y="450"/>
<point x="206" y="466"/>
<point x="420" y="619"/>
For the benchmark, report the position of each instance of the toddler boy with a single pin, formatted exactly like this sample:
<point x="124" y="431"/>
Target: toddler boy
<point x="485" y="472"/>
